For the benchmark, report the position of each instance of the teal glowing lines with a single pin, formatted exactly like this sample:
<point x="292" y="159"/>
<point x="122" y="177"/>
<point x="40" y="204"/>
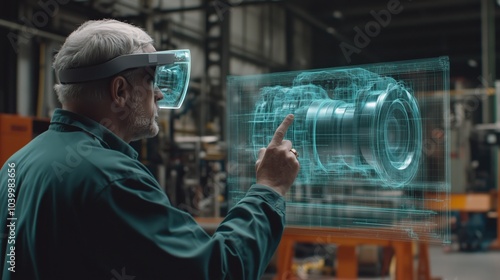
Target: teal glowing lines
<point x="366" y="135"/>
<point x="371" y="129"/>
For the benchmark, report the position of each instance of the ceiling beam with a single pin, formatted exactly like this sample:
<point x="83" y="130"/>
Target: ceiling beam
<point x="363" y="10"/>
<point x="220" y="4"/>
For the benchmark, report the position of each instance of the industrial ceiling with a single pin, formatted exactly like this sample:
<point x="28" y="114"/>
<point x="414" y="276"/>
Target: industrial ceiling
<point x="361" y="31"/>
<point x="464" y="30"/>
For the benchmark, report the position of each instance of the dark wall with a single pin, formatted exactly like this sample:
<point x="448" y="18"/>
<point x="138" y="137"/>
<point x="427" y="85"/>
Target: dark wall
<point x="8" y="59"/>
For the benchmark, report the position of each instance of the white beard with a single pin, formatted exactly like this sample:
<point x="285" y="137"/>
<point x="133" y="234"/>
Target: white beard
<point x="141" y="125"/>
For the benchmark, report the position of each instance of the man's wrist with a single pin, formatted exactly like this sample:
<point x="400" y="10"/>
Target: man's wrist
<point x="279" y="190"/>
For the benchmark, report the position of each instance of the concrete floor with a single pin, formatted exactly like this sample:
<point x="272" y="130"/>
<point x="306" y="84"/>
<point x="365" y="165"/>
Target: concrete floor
<point x="483" y="265"/>
<point x="465" y="266"/>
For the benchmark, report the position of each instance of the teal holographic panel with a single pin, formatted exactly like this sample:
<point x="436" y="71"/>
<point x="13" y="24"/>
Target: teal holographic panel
<point x="372" y="141"/>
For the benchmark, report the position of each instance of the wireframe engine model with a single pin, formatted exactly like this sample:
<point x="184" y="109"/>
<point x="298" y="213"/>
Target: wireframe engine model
<point x="372" y="141"/>
<point x="355" y="125"/>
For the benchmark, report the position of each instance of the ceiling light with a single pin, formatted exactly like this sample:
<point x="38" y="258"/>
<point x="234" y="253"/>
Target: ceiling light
<point x="472" y="62"/>
<point x="338" y="14"/>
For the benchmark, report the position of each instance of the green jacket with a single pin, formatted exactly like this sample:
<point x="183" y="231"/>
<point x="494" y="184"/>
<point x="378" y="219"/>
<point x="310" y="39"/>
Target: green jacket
<point x="75" y="203"/>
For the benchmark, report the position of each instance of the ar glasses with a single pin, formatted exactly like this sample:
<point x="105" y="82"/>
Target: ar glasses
<point x="171" y="76"/>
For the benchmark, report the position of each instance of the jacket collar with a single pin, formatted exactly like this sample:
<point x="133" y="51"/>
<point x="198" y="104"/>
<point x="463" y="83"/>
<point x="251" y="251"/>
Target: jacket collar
<point x="63" y="120"/>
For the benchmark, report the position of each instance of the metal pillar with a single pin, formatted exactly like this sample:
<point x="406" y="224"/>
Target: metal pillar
<point x="216" y="69"/>
<point x="488" y="50"/>
<point x="216" y="59"/>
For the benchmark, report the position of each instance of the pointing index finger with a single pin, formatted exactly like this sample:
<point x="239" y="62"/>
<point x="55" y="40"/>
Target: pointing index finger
<point x="281" y="130"/>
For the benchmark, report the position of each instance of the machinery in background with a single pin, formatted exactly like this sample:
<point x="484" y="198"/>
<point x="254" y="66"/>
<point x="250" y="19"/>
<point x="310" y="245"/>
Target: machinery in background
<point x="196" y="165"/>
<point x="197" y="177"/>
<point x="473" y="159"/>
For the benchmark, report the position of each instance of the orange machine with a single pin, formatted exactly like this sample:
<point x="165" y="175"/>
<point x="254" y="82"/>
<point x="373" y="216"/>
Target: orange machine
<point x="15" y="132"/>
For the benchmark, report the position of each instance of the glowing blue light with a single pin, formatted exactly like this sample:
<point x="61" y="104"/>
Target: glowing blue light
<point x="363" y="134"/>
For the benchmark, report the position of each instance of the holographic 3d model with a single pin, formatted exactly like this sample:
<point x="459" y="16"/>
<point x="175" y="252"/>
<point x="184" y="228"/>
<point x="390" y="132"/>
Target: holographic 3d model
<point x="367" y="126"/>
<point x="372" y="142"/>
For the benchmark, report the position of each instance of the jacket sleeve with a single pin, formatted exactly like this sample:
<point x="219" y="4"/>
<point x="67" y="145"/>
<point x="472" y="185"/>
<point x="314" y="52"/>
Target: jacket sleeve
<point x="134" y="230"/>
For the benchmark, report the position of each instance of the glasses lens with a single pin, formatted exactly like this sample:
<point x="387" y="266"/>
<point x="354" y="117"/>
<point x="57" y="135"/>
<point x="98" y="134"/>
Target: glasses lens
<point x="173" y="79"/>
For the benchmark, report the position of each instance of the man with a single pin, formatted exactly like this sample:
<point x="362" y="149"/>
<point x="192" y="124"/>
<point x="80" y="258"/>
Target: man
<point x="77" y="204"/>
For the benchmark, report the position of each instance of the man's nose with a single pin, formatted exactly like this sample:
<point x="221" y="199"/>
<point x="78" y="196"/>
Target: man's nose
<point x="158" y="94"/>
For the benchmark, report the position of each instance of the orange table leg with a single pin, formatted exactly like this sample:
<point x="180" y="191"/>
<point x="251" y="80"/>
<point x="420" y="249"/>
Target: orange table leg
<point x="285" y="258"/>
<point x="347" y="262"/>
<point x="424" y="271"/>
<point x="495" y="245"/>
<point x="404" y="260"/>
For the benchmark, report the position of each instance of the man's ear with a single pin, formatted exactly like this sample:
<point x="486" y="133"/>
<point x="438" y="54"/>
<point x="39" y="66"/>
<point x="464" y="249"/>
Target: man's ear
<point x="119" y="91"/>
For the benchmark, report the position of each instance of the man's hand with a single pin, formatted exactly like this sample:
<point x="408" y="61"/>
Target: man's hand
<point x="277" y="167"/>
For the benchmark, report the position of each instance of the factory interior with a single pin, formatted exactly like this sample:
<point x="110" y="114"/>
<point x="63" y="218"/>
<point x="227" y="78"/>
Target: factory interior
<point x="191" y="155"/>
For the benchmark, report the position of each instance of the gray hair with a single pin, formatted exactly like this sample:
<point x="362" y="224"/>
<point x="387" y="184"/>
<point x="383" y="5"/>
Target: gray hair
<point x="95" y="42"/>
